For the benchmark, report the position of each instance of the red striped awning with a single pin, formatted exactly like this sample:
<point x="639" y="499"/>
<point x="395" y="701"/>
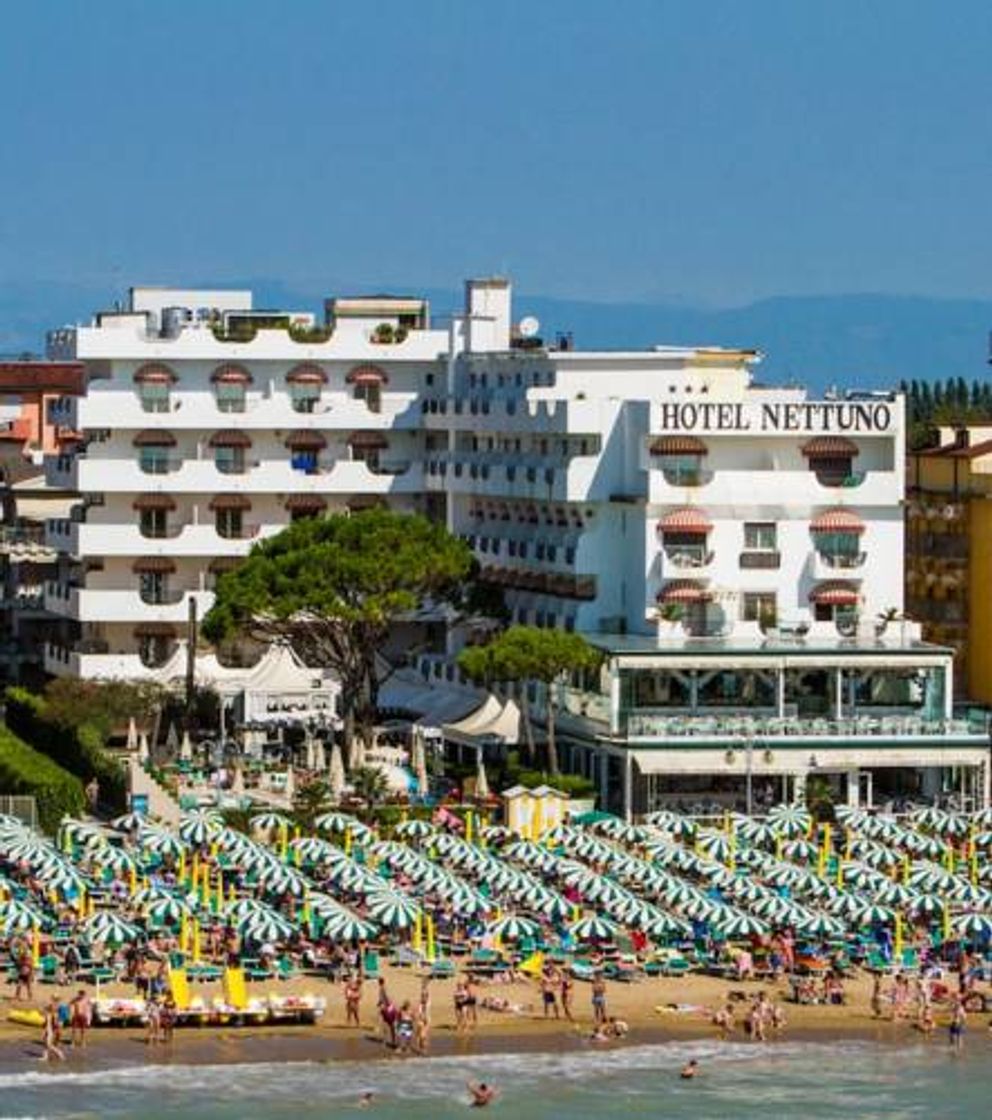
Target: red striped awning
<point x="834" y="593"/>
<point x="367" y="374"/>
<point x="315" y="502"/>
<point x="307" y="373"/>
<point x="230" y="437"/>
<point x="231" y="374"/>
<point x="374" y="440"/>
<point x="830" y="447"/>
<point x="230" y="501"/>
<point x="688" y="520"/>
<point x="155" y="501"/>
<point x="677" y="445"/>
<point x="837" y="521"/>
<point x="154" y="630"/>
<point x="306" y="439"/>
<point x="154" y="437"/>
<point x="683" y="591"/>
<point x="155" y="373"/>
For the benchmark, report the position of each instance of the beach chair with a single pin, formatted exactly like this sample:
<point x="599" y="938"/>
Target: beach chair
<point x="442" y="970"/>
<point x="405" y="957"/>
<point x="370" y="965"/>
<point x="49" y="969"/>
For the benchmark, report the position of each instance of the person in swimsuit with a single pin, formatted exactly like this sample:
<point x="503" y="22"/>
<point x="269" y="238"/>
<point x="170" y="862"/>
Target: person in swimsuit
<point x="690" y="1070"/>
<point x="352" y="1001"/>
<point x="548" y="996"/>
<point x="599" y="999"/>
<point x="80" y="1017"/>
<point x="481" y="1094"/>
<point x="956" y="1028"/>
<point x="471" y="1004"/>
<point x="567" y="995"/>
<point x="404" y="1028"/>
<point x="52" y="1034"/>
<point x="460" y="996"/>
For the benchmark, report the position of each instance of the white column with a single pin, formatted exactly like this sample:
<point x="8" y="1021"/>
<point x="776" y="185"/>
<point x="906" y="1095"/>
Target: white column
<point x="780" y="691"/>
<point x="870" y="789"/>
<point x="628" y="786"/>
<point x="986" y="777"/>
<point x="838" y="693"/>
<point x="853" y="790"/>
<point x="615" y="701"/>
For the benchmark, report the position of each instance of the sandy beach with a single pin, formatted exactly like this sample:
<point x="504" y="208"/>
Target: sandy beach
<point x="656" y="1010"/>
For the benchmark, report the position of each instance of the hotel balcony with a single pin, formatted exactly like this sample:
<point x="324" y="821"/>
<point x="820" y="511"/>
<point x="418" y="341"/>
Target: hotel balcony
<point x="844" y="565"/>
<point x="124" y="606"/>
<point x="506" y="476"/>
<point x="745" y="488"/>
<point x="510" y="411"/>
<point x="202" y="476"/>
<point x="685" y="562"/>
<point x="180" y="539"/>
<point x="95" y="659"/>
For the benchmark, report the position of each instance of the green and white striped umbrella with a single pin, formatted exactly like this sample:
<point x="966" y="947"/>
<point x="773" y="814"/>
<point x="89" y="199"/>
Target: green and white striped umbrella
<point x="315" y="850"/>
<point x="496" y="834"/>
<point x="972" y="925"/>
<point x="753" y="831"/>
<point x="775" y="909"/>
<point x="530" y="855"/>
<point x="982" y="818"/>
<point x="19" y="917"/>
<point x="594" y="929"/>
<point x="739" y="925"/>
<point x="983" y="839"/>
<point x="346" y="927"/>
<point x="324" y="906"/>
<point x="849" y="816"/>
<point x="166" y="911"/>
<point x="930" y="817"/>
<point x="270" y="821"/>
<point x="129" y="822"/>
<point x="243" y="908"/>
<point x="61" y="877"/>
<point x="555" y="907"/>
<point x="354" y="877"/>
<point x="283" y="880"/>
<point x="714" y="844"/>
<point x="845" y="905"/>
<point x="928" y="904"/>
<point x="161" y="843"/>
<point x="392" y="911"/>
<point x="966" y="893"/>
<point x="107" y="927"/>
<point x="20" y="847"/>
<point x="145" y="896"/>
<point x="83" y="833"/>
<point x="873" y="914"/>
<point x="801" y="850"/>
<point x="933" y="880"/>
<point x="858" y="875"/>
<point x="513" y="928"/>
<point x="662" y="925"/>
<point x="820" y="925"/>
<point x="874" y="855"/>
<point x="117" y="859"/>
<point x="747" y="890"/>
<point x="792" y="813"/>
<point x="895" y="894"/>
<point x="199" y="828"/>
<point x="344" y="822"/>
<point x="415" y="830"/>
<point x="924" y="847"/>
<point x="266" y="925"/>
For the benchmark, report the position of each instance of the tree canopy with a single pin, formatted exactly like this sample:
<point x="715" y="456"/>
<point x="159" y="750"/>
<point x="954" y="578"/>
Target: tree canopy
<point x="332" y="586"/>
<point x="529" y="653"/>
<point x="950" y="402"/>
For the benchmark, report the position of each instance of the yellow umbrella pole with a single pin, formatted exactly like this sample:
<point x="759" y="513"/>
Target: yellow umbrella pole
<point x="824" y="850"/>
<point x="897" y="940"/>
<point x="347" y="841"/>
<point x="184" y="933"/>
<point x="430" y="938"/>
<point x="468" y="826"/>
<point x="132" y="881"/>
<point x="418" y="925"/>
<point x="35" y="946"/>
<point x="196" y="941"/>
<point x="947" y="920"/>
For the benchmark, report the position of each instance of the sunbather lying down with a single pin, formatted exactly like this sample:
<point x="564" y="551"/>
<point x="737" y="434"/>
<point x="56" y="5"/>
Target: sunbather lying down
<point x="498" y="1003"/>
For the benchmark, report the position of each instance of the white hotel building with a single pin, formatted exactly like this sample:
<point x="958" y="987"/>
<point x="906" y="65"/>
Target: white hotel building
<point x="733" y="548"/>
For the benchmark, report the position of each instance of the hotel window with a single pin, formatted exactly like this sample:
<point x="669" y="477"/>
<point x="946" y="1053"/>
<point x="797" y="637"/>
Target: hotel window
<point x="230" y="460"/>
<point x="304" y="397"/>
<point x="758" y="606"/>
<point x="760" y="536"/>
<point x="153" y="523"/>
<point x="232" y="396"/>
<point x="153" y="587"/>
<point x="153" y="459"/>
<point x="230" y="523"/>
<point x="155" y="396"/>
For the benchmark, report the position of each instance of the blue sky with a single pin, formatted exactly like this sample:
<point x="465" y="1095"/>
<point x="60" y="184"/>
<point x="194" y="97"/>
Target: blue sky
<point x="710" y="152"/>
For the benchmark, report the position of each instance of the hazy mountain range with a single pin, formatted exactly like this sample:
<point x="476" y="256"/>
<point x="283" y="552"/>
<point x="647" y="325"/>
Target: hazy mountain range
<point x="846" y="340"/>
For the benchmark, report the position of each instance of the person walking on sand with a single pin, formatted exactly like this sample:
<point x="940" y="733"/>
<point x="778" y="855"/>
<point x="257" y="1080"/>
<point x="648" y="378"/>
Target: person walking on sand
<point x="352" y="1001"/>
<point x="598" y="999"/>
<point x="567" y="995"/>
<point x="80" y="1017"/>
<point x="25" y="974"/>
<point x="548" y="995"/>
<point x="52" y="1033"/>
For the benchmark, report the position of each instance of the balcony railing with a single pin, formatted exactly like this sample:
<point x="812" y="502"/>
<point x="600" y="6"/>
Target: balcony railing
<point x="167" y="597"/>
<point x="238" y="532"/>
<point x="843" y="561"/>
<point x="686" y="476"/>
<point x="744" y="729"/>
<point x="756" y="559"/>
<point x="688" y="556"/>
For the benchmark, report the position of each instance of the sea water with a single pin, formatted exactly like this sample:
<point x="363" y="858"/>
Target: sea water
<point x="808" y="1080"/>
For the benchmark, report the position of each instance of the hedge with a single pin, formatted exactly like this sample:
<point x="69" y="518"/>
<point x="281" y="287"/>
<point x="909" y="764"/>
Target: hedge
<point x="80" y="750"/>
<point x="56" y="792"/>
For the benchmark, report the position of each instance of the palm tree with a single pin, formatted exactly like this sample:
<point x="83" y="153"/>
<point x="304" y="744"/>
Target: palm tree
<point x="369" y="784"/>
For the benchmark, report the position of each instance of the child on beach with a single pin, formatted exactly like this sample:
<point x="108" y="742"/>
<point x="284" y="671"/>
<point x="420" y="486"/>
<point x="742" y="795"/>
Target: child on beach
<point x="52" y="1034"/>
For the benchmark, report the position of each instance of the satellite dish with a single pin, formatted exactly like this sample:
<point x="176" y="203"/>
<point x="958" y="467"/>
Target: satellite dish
<point x="528" y="327"/>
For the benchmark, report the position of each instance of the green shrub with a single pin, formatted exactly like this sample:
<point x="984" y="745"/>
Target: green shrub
<point x="80" y="749"/>
<point x="56" y="792"/>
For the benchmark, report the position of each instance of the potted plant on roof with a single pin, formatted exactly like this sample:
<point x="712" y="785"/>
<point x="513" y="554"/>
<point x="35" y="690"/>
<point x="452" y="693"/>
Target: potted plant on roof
<point x="884" y="618"/>
<point x="670" y="616"/>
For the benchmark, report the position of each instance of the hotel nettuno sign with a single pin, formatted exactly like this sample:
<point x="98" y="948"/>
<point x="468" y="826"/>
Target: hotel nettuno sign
<point x="806" y="417"/>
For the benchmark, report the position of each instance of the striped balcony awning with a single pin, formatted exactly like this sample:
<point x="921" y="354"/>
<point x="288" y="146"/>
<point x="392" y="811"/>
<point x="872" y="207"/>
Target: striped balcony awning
<point x="307" y="373"/>
<point x="155" y="373"/>
<point x="230" y="437"/>
<point x="230" y="501"/>
<point x="677" y="445"/>
<point x="830" y="447"/>
<point x="684" y="591"/>
<point x="688" y="520"/>
<point x="837" y="521"/>
<point x="231" y="374"/>
<point x="306" y="439"/>
<point x="154" y="437"/>
<point x="160" y="564"/>
<point x="315" y="502"/>
<point x="834" y="593"/>
<point x="154" y="501"/>
<point x="154" y="630"/>
<point x="371" y="440"/>
<point x="367" y="374"/>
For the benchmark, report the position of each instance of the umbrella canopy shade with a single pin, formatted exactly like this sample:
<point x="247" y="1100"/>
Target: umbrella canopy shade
<point x="972" y="925"/>
<point x="57" y="875"/>
<point x="513" y="928"/>
<point x="415" y="830"/>
<point x="661" y="925"/>
<point x="594" y="929"/>
<point x="714" y="844"/>
<point x="346" y="927"/>
<point x="926" y="904"/>
<point x="18" y="917"/>
<point x="147" y="895"/>
<point x="130" y="822"/>
<point x="117" y="859"/>
<point x="982" y="818"/>
<point x="161" y="843"/>
<point x="266" y="925"/>
<point x="800" y="850"/>
<point x="266" y="822"/>
<point x="895" y="894"/>
<point x="530" y="854"/>
<point x="736" y="924"/>
<point x="352" y="876"/>
<point x="108" y="927"/>
<point x="820" y="925"/>
<point x="799" y="814"/>
<point x="496" y="834"/>
<point x="166" y="911"/>
<point x="315" y="850"/>
<point x="930" y="817"/>
<point x="775" y="909"/>
<point x="342" y="823"/>
<point x="82" y="833"/>
<point x="874" y="914"/>
<point x="240" y="909"/>
<point x="282" y="880"/>
<point x="199" y="828"/>
<point x="392" y="911"/>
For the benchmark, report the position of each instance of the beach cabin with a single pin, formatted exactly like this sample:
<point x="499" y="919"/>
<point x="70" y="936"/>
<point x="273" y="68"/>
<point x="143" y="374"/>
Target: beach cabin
<point x="531" y="812"/>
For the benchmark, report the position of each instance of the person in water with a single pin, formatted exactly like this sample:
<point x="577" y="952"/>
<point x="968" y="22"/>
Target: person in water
<point x="689" y="1070"/>
<point x="481" y="1094"/>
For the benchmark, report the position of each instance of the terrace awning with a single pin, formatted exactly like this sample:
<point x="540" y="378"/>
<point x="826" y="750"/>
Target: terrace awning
<point x="231" y="375"/>
<point x="830" y="447"/>
<point x="688" y="520"/>
<point x="154" y="501"/>
<point x="154" y="630"/>
<point x="371" y="440"/>
<point x="230" y="437"/>
<point x="834" y="593"/>
<point x="837" y="521"/>
<point x="684" y="591"/>
<point x="154" y="437"/>
<point x="367" y="375"/>
<point x="677" y="445"/>
<point x="306" y="374"/>
<point x="230" y="501"/>
<point x="306" y="440"/>
<point x="154" y="373"/>
<point x="306" y="502"/>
